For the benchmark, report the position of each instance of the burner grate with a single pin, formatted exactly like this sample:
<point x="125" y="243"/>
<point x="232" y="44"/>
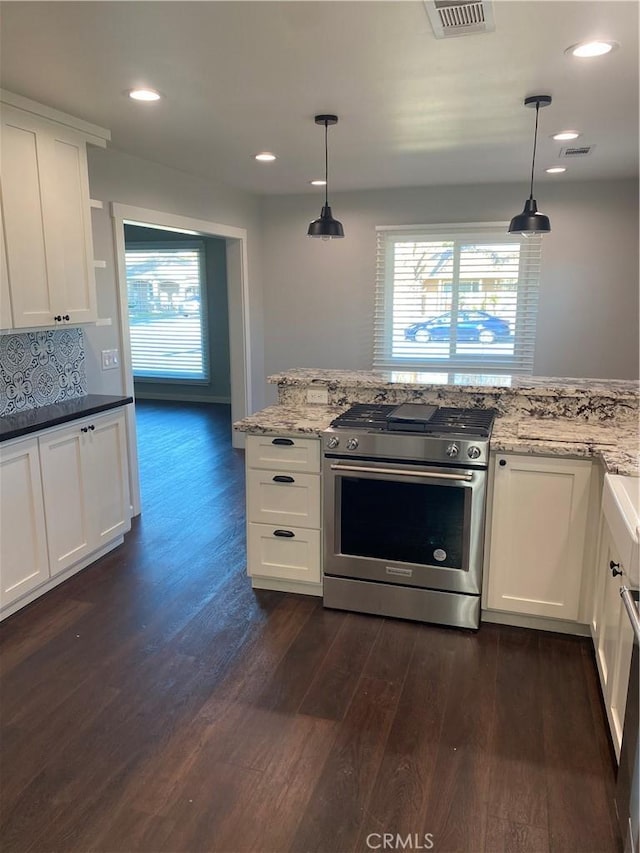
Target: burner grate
<point x="365" y="415"/>
<point x="473" y="421"/>
<point x="375" y="417"/>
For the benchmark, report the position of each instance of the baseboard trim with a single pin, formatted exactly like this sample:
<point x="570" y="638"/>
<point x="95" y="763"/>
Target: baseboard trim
<point x="179" y="398"/>
<point x="287" y="586"/>
<point x="538" y="623"/>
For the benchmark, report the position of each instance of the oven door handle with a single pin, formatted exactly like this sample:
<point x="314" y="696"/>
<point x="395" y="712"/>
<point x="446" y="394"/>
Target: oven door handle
<point x="402" y="472"/>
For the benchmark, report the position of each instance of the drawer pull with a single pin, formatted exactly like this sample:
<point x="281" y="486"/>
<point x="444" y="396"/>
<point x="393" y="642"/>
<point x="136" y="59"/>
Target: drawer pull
<point x="283" y="478"/>
<point x="287" y="441"/>
<point x="288" y="534"/>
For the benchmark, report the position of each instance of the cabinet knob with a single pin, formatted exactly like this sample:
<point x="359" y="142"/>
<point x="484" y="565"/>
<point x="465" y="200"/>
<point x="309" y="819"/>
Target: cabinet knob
<point x="503" y="462"/>
<point x="66" y="317"/>
<point x="91" y="427"/>
<point x="615" y="569"/>
<point x="84" y="429"/>
<point x="58" y="318"/>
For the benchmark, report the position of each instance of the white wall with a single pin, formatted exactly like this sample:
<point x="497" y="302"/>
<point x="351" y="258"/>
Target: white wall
<point x="319" y="296"/>
<point x="116" y="176"/>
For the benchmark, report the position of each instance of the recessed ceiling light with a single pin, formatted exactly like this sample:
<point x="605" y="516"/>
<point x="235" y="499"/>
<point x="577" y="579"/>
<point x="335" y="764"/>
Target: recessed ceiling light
<point x="265" y="156"/>
<point x="587" y="49"/>
<point x="565" y="135"/>
<point x="556" y="170"/>
<point x="144" y="94"/>
<point x="319" y="183"/>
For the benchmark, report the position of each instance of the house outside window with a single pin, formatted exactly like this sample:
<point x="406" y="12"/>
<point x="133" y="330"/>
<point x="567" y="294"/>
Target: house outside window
<point x="167" y="311"/>
<point x="456" y="297"/>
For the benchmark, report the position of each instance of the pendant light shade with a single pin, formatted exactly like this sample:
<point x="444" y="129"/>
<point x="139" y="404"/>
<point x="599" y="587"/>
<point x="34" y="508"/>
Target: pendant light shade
<point x="531" y="222"/>
<point x="326" y="227"/>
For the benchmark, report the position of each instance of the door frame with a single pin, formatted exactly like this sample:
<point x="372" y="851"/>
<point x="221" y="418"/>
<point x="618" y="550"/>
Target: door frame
<point x="239" y="318"/>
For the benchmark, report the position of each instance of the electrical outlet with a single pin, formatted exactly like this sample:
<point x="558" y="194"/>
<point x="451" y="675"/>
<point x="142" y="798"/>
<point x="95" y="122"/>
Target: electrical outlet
<point x="318" y="395"/>
<point x="110" y="359"/>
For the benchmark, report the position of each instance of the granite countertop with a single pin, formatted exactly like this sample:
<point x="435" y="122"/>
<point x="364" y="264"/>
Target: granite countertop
<point x="472" y="383"/>
<point x="34" y="420"/>
<point x="616" y="446"/>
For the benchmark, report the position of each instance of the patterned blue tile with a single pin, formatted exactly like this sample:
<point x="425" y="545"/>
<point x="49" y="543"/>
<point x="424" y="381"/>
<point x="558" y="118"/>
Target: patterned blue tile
<point x="40" y="368"/>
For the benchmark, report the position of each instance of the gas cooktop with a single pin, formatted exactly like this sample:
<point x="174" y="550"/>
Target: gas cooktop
<point x="417" y="418"/>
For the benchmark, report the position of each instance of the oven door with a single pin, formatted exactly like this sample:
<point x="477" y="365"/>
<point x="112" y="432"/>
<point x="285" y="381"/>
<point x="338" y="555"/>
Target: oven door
<point x="415" y="525"/>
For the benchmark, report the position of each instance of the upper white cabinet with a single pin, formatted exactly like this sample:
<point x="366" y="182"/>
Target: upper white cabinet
<point x="46" y="216"/>
<point x="538" y="527"/>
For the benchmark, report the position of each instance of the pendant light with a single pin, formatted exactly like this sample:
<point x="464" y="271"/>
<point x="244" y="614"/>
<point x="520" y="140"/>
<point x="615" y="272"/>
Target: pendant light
<point x="531" y="222"/>
<point x="326" y="226"/>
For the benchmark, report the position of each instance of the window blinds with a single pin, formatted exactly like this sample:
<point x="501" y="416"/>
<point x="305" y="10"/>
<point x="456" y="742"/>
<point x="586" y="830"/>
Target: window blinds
<point x="167" y="311"/>
<point x="460" y="297"/>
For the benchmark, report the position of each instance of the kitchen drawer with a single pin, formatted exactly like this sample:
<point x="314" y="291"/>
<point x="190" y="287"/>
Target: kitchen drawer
<point x="290" y="454"/>
<point x="282" y="498"/>
<point x="294" y="557"/>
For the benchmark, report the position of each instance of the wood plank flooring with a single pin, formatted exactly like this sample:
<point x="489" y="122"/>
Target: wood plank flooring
<point x="154" y="702"/>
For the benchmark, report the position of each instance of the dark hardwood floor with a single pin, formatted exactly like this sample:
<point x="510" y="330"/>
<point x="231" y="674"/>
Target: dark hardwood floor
<point x="154" y="702"/>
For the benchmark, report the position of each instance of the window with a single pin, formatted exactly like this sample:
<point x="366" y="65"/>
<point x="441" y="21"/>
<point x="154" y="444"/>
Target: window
<point x="460" y="297"/>
<point x="167" y="311"/>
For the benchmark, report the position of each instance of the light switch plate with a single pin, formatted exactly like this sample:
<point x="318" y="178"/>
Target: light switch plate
<point x="318" y="395"/>
<point x="110" y="359"/>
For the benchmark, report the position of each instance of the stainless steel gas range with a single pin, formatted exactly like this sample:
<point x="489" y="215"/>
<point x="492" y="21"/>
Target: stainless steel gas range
<point x="404" y="502"/>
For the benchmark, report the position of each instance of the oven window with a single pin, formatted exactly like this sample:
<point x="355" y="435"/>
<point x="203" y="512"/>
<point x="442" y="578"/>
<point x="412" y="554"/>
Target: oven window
<point x="403" y="522"/>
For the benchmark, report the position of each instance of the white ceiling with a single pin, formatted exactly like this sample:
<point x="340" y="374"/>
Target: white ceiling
<point x="241" y="77"/>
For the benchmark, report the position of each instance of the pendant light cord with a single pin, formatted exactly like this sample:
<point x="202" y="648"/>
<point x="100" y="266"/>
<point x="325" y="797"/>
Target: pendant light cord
<point x="326" y="164"/>
<point x="535" y="142"/>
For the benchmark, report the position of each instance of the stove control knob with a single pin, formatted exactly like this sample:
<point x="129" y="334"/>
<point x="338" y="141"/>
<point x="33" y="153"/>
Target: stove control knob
<point x="352" y="444"/>
<point x="473" y="452"/>
<point x="452" y="450"/>
<point x="334" y="441"/>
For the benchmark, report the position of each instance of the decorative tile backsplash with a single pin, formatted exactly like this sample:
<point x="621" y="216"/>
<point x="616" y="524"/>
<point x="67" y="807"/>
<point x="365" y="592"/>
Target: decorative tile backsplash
<point x="39" y="368"/>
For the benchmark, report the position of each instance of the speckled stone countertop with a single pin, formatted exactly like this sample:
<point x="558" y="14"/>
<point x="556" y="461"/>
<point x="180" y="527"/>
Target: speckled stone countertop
<point x="617" y="446"/>
<point x="43" y="417"/>
<point x="471" y="383"/>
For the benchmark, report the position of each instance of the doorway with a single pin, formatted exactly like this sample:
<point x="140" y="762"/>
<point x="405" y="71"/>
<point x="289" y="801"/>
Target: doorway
<point x="235" y="252"/>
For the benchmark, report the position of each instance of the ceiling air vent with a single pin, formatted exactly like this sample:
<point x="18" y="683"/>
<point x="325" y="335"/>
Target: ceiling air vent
<point x="576" y="151"/>
<point x="450" y="18"/>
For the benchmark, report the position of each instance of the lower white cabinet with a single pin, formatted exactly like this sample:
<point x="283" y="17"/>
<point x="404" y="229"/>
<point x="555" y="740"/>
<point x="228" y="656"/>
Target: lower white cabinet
<point x="283" y="512"/>
<point x="537" y="535"/>
<point x="84" y="479"/>
<point x="291" y="553"/>
<point x="64" y="497"/>
<point x="612" y="634"/>
<point x="23" y="540"/>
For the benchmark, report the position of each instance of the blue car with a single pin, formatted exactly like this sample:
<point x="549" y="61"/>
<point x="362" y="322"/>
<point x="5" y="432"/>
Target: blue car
<point x="471" y="326"/>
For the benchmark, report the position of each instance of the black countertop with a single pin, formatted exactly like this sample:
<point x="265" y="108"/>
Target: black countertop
<point x="34" y="420"/>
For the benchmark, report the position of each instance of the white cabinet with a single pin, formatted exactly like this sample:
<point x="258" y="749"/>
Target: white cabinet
<point x="612" y="634"/>
<point x="537" y="535"/>
<point x="283" y="512"/>
<point x="47" y="217"/>
<point x="85" y="483"/>
<point x="23" y="545"/>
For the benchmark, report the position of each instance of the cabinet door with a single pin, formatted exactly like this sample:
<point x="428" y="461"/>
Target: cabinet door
<point x="537" y="535"/>
<point x="66" y="501"/>
<point x="289" y="454"/>
<point x="107" y="481"/>
<point x="291" y="553"/>
<point x="46" y="208"/>
<point x="67" y="214"/>
<point x="280" y="497"/>
<point x="23" y="204"/>
<point x="23" y="549"/>
<point x="6" y="316"/>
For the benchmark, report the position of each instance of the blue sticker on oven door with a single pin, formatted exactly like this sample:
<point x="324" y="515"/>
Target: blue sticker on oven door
<point x="439" y="554"/>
